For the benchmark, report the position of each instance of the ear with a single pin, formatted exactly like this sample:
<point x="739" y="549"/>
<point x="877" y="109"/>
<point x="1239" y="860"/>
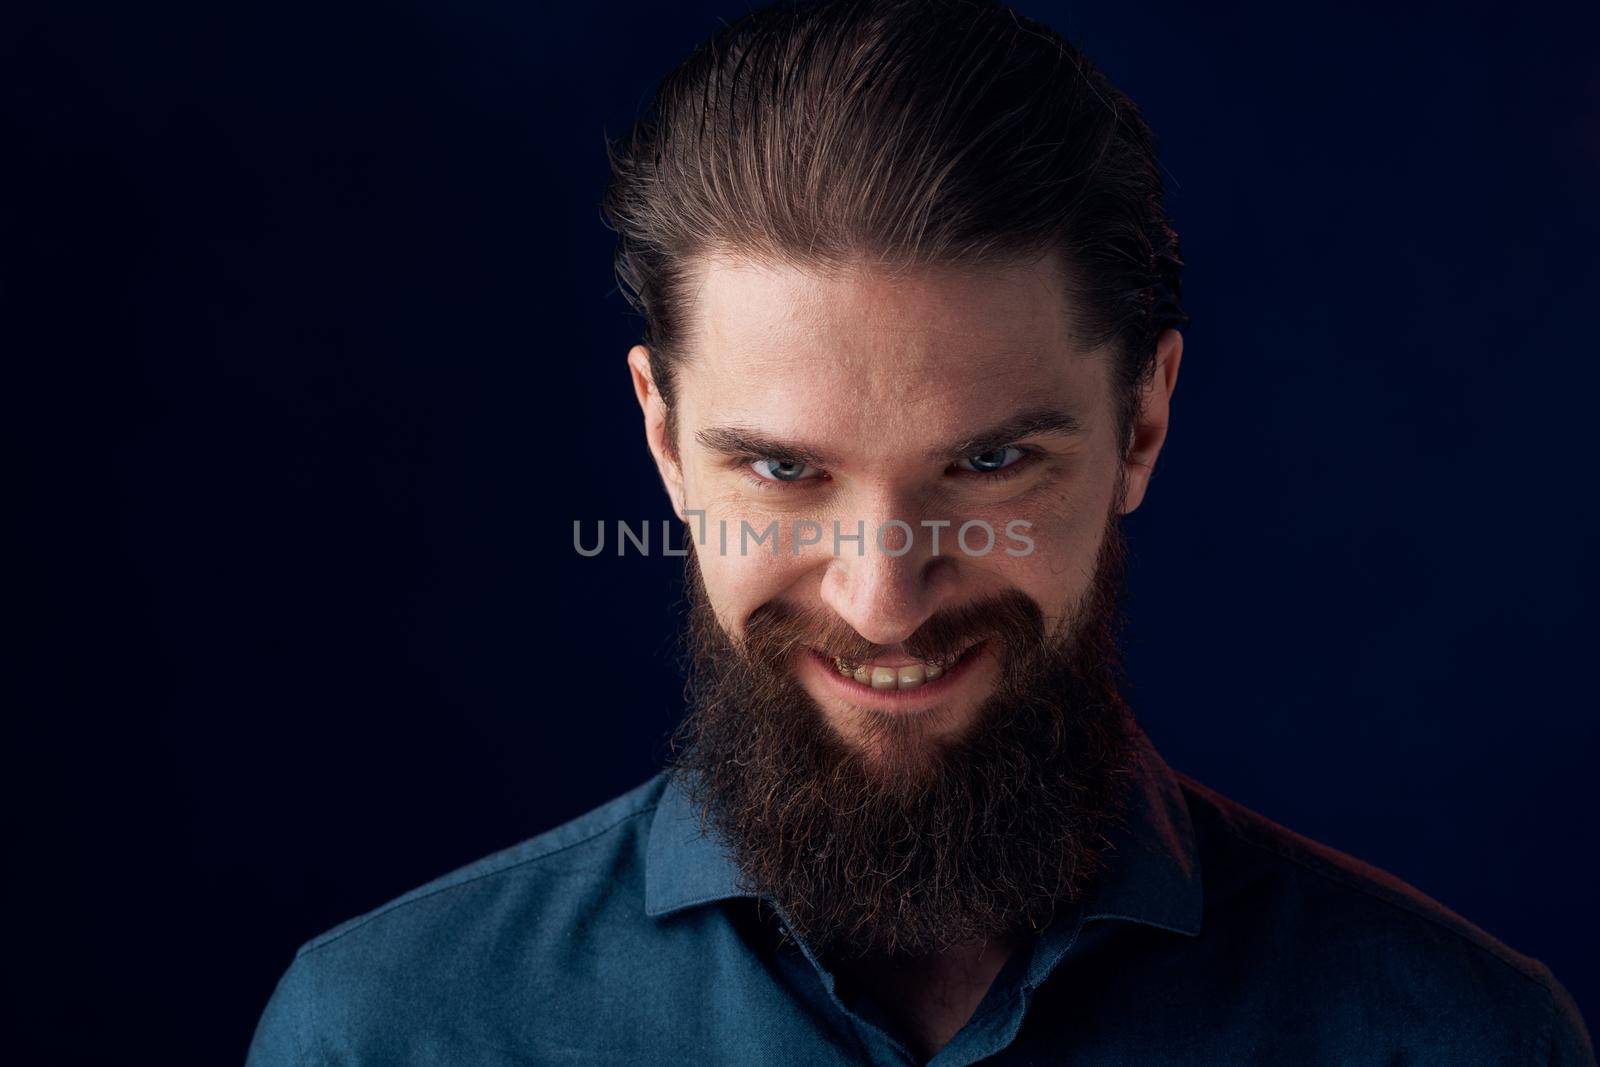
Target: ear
<point x="662" y="447"/>
<point x="1149" y="430"/>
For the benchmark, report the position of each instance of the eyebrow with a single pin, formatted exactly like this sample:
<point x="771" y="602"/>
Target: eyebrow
<point x="741" y="441"/>
<point x="1034" y="422"/>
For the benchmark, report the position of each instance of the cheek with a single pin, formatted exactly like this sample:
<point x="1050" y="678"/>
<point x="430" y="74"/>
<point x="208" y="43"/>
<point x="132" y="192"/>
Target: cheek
<point x="735" y="531"/>
<point x="740" y="578"/>
<point x="1057" y="536"/>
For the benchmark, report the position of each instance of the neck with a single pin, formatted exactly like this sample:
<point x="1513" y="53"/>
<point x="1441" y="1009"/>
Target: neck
<point x="930" y="998"/>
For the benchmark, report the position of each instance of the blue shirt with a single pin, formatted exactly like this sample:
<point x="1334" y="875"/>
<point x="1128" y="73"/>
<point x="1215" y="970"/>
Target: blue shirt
<point x="1216" y="936"/>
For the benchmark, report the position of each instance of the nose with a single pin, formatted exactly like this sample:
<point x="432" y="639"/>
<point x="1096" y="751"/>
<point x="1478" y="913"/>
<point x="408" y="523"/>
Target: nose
<point x="884" y="597"/>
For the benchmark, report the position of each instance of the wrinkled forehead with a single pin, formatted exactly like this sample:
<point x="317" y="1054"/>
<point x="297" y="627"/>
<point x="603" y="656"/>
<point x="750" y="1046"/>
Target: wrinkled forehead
<point x="881" y="360"/>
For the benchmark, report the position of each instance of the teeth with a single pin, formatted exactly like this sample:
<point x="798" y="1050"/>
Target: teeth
<point x="908" y="677"/>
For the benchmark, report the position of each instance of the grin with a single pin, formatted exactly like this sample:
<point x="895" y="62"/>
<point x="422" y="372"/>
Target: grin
<point x="909" y="675"/>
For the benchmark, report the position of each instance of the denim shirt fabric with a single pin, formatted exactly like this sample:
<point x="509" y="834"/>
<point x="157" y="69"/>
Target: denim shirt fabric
<point x="1214" y="937"/>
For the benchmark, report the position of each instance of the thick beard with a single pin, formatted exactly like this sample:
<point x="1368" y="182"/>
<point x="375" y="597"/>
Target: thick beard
<point x="905" y="846"/>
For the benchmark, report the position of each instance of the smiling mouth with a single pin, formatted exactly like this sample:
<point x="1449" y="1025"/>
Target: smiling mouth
<point x="901" y="676"/>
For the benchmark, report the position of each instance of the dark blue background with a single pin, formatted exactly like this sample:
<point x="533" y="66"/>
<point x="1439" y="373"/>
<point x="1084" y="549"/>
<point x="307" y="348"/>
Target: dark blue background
<point x="316" y="356"/>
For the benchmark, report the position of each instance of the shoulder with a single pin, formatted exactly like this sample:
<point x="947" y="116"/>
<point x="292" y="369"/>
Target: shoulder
<point x="597" y="847"/>
<point x="1253" y="857"/>
<point x="498" y="927"/>
<point x="1353" y="933"/>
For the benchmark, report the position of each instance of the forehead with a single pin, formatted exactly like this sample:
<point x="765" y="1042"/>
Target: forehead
<point x="865" y="357"/>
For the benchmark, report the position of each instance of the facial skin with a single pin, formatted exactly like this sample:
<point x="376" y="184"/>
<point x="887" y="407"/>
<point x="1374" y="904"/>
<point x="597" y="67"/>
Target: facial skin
<point x="864" y="395"/>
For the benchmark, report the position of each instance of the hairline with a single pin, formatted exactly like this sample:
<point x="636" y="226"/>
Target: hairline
<point x="825" y="264"/>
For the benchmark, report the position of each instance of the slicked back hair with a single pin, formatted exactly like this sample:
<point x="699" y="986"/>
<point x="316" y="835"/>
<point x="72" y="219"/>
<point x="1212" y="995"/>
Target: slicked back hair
<point x="899" y="133"/>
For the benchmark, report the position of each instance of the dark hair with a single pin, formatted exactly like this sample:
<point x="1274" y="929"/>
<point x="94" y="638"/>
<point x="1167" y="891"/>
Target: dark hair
<point x="903" y="132"/>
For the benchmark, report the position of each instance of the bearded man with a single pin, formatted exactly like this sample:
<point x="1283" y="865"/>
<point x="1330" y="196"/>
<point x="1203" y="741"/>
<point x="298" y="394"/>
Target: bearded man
<point x="907" y="281"/>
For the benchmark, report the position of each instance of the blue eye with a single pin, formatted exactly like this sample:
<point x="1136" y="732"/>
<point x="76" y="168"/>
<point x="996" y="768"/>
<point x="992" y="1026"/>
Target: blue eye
<point x="779" y="470"/>
<point x="993" y="460"/>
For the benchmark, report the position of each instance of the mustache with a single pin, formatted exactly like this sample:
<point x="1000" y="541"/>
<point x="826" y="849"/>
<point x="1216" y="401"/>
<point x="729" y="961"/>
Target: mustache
<point x="777" y="631"/>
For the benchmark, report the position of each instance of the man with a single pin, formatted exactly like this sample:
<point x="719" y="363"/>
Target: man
<point x="911" y="306"/>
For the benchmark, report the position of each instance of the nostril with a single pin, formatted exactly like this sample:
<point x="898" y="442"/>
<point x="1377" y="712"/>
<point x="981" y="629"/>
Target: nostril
<point x="882" y="604"/>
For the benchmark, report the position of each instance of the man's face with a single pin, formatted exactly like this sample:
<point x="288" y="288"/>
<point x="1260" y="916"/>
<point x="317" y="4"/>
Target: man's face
<point x="857" y="397"/>
<point x="987" y="697"/>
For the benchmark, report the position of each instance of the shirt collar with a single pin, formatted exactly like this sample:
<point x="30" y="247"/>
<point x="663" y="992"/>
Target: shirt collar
<point x="686" y="864"/>
<point x="1152" y="873"/>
